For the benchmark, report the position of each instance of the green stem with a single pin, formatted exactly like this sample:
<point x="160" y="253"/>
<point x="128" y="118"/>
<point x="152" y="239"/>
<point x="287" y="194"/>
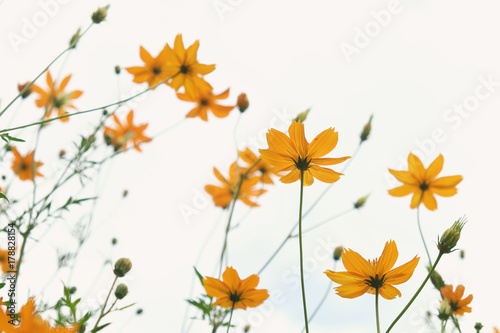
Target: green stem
<point x="421" y="234"/>
<point x="416" y="293"/>
<point x="457" y="325"/>
<point x="104" y="305"/>
<point x="41" y="73"/>
<point x="376" y="311"/>
<point x="230" y="318"/>
<point x="300" y="249"/>
<point x="443" y="325"/>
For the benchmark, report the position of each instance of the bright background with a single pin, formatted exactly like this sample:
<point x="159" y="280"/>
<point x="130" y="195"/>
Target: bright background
<point x="287" y="56"/>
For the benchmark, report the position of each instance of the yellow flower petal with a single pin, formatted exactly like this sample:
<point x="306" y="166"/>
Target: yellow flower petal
<point x="434" y="169"/>
<point x="402" y="273"/>
<point x="298" y="137"/>
<point x="429" y="201"/>
<point x="389" y="292"/>
<point x="447" y="181"/>
<point x="323" y="143"/>
<point x="404" y="177"/>
<point x="388" y="258"/>
<point x="324" y="174"/>
<point x="416" y="167"/>
<point x="355" y="263"/>
<point x="403" y="190"/>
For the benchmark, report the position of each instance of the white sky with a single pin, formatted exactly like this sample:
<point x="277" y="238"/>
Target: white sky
<point x="287" y="56"/>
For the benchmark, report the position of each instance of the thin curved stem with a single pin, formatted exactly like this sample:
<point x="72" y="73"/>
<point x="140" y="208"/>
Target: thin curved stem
<point x="104" y="305"/>
<point x="422" y="235"/>
<point x="376" y="311"/>
<point x="301" y="252"/>
<point x="416" y="293"/>
<point x="230" y="318"/>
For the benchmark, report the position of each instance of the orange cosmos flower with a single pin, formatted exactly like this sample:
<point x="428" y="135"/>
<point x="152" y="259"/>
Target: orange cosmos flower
<point x="30" y="322"/>
<point x="206" y="101"/>
<point x="295" y="154"/>
<point x="458" y="305"/>
<point x="23" y="165"/>
<point x="232" y="291"/>
<point x="154" y="69"/>
<point x="223" y="195"/>
<point x="187" y="70"/>
<point x="262" y="166"/>
<point x="123" y="134"/>
<point x="423" y="183"/>
<point x="55" y="97"/>
<point x="368" y="276"/>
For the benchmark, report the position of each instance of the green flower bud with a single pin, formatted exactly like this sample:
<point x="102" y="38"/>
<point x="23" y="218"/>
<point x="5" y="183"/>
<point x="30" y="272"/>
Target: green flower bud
<point x="366" y="130"/>
<point x="242" y="102"/>
<point x="451" y="236"/>
<point x="302" y="116"/>
<point x="444" y="310"/>
<point x="122" y="267"/>
<point x="337" y="253"/>
<point x="436" y="279"/>
<point x="118" y="69"/>
<point x="361" y="202"/>
<point x="74" y="39"/>
<point x="478" y="327"/>
<point x="121" y="291"/>
<point x="100" y="14"/>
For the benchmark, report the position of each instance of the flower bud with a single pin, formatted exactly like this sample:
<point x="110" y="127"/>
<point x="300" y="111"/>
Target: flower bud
<point x="114" y="241"/>
<point x="444" y="310"/>
<point x="122" y="267"/>
<point x="302" y="116"/>
<point x="139" y="312"/>
<point x="26" y="92"/>
<point x="247" y="328"/>
<point x="74" y="39"/>
<point x="118" y="69"/>
<point x="436" y="279"/>
<point x="100" y="14"/>
<point x="62" y="153"/>
<point x="242" y="102"/>
<point x="361" y="202"/>
<point x="451" y="236"/>
<point x="121" y="291"/>
<point x="478" y="327"/>
<point x="337" y="253"/>
<point x="366" y="130"/>
<point x="72" y="290"/>
<point x="462" y="254"/>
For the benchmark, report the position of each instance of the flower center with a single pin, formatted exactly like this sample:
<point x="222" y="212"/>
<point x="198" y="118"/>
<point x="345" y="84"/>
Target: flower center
<point x="156" y="70"/>
<point x="23" y="166"/>
<point x="424" y="186"/>
<point x="375" y="282"/>
<point x="184" y="69"/>
<point x="60" y="100"/>
<point x="234" y="298"/>
<point x="204" y="102"/>
<point x="302" y="164"/>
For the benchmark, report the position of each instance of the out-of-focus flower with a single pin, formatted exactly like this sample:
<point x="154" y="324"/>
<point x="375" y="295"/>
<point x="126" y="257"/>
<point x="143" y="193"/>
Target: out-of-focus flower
<point x="154" y="69"/>
<point x="423" y="183"/>
<point x="265" y="170"/>
<point x="55" y="97"/>
<point x="187" y="70"/>
<point x="31" y="322"/>
<point x="4" y="260"/>
<point x="458" y="305"/>
<point x="370" y="276"/>
<point x="124" y="134"/>
<point x="231" y="291"/>
<point x="296" y="155"/>
<point x="224" y="194"/>
<point x="23" y="165"/>
<point x="205" y="100"/>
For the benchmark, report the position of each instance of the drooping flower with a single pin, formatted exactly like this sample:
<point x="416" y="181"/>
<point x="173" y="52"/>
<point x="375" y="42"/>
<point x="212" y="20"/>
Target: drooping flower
<point x="187" y="70"/>
<point x="232" y="291"/>
<point x="458" y="305"/>
<point x="154" y="69"/>
<point x="31" y="322"/>
<point x="224" y="194"/>
<point x="423" y="183"/>
<point x="206" y="101"/>
<point x="295" y="154"/>
<point x="368" y="276"/>
<point x="265" y="170"/>
<point x="55" y="97"/>
<point x="23" y="165"/>
<point x="125" y="134"/>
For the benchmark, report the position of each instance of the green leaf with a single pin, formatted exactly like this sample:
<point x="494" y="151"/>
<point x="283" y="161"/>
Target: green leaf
<point x="199" y="275"/>
<point x="3" y="196"/>
<point x="97" y="329"/>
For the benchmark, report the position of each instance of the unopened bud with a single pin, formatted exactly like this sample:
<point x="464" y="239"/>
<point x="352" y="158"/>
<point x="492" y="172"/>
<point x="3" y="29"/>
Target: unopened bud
<point x="121" y="291"/>
<point x="366" y="130"/>
<point x="337" y="253"/>
<point x="21" y="89"/>
<point x="122" y="267"/>
<point x="247" y="328"/>
<point x="118" y="69"/>
<point x="100" y="14"/>
<point x="444" y="310"/>
<point x="125" y="193"/>
<point x="242" y="102"/>
<point x="62" y="153"/>
<point x="478" y="327"/>
<point x="139" y="312"/>
<point x="462" y="254"/>
<point x="451" y="236"/>
<point x="436" y="279"/>
<point x="74" y="39"/>
<point x="361" y="202"/>
<point x="114" y="241"/>
<point x="72" y="290"/>
<point x="302" y="116"/>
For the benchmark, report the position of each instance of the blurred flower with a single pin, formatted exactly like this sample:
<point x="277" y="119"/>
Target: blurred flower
<point x="4" y="260"/>
<point x="295" y="154"/>
<point x="154" y="69"/>
<point x="30" y="322"/>
<point x="232" y="291"/>
<point x="423" y="183"/>
<point x="123" y="134"/>
<point x="206" y="101"/>
<point x="187" y="70"/>
<point x="55" y="97"/>
<point x="28" y="91"/>
<point x="242" y="103"/>
<point x="368" y="276"/>
<point x="495" y="330"/>
<point x="262" y="166"/>
<point x="224" y="194"/>
<point x="458" y="305"/>
<point x="23" y="165"/>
